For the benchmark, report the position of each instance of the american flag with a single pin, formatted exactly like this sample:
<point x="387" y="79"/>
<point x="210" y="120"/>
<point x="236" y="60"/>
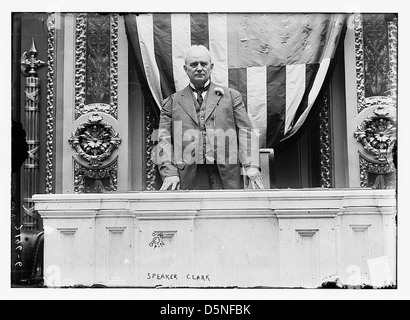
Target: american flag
<point x="278" y="62"/>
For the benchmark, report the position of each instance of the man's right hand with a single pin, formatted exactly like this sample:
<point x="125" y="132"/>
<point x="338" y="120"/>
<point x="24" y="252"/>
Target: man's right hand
<point x="172" y="181"/>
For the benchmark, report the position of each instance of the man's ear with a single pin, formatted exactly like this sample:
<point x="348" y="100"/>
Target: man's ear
<point x="185" y="68"/>
<point x="212" y="66"/>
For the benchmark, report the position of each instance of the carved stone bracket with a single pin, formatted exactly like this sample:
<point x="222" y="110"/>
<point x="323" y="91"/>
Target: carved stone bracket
<point x="95" y="140"/>
<point x="368" y="168"/>
<point x="96" y="176"/>
<point x="377" y="134"/>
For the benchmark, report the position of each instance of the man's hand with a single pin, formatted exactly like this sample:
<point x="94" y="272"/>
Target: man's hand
<point x="172" y="181"/>
<point x="255" y="178"/>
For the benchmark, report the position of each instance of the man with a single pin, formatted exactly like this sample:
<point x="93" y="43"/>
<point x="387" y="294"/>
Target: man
<point x="205" y="134"/>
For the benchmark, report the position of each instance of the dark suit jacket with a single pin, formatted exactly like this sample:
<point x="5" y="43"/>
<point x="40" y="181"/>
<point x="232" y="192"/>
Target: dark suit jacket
<point x="229" y="137"/>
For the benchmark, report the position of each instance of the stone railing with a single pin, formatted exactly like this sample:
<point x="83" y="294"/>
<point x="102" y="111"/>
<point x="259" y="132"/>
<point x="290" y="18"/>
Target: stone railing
<point x="244" y="238"/>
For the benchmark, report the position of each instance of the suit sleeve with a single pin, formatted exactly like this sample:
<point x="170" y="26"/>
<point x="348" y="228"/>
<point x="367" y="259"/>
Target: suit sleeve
<point x="248" y="140"/>
<point x="165" y="148"/>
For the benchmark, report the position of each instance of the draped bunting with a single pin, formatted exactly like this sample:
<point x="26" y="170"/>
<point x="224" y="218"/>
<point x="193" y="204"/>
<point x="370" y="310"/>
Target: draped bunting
<point x="278" y="62"/>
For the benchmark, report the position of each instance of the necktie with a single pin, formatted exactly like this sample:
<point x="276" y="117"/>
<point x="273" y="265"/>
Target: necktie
<point x="199" y="97"/>
<point x="199" y="92"/>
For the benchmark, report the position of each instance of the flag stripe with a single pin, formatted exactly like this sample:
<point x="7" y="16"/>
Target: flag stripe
<point x="146" y="36"/>
<point x="334" y="35"/>
<point x="278" y="62"/>
<point x="295" y="88"/>
<point x="319" y="79"/>
<point x="238" y="80"/>
<point x="163" y="52"/>
<point x="276" y="102"/>
<point x="311" y="71"/>
<point x="219" y="48"/>
<point x="133" y="38"/>
<point x="199" y="29"/>
<point x="256" y="85"/>
<point x="232" y="41"/>
<point x="300" y="117"/>
<point x="181" y="41"/>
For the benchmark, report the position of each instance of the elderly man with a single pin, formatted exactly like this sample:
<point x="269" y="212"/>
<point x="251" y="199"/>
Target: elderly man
<point x="206" y="139"/>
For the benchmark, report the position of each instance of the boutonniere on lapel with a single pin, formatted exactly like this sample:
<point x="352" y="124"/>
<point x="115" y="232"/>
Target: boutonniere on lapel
<point x="219" y="91"/>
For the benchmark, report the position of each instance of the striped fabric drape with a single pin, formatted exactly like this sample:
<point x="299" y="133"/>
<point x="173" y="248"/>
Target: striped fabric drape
<point x="277" y="61"/>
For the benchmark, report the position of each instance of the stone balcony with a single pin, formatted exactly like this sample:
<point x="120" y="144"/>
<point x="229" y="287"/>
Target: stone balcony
<point x="243" y="238"/>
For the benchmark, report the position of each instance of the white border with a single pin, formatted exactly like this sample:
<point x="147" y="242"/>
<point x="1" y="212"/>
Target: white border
<point x="348" y="6"/>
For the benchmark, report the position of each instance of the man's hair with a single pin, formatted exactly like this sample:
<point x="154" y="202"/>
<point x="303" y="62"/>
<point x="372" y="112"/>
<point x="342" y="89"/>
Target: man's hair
<point x="196" y="46"/>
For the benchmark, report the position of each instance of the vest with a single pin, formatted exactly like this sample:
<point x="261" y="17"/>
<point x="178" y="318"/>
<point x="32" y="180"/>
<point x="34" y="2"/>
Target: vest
<point x="208" y="158"/>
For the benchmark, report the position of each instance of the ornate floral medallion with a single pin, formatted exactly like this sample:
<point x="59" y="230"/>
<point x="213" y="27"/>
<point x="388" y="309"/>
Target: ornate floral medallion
<point x="95" y="140"/>
<point x="377" y="134"/>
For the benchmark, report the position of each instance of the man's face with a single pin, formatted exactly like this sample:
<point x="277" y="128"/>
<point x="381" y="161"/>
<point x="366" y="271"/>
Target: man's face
<point x="198" y="66"/>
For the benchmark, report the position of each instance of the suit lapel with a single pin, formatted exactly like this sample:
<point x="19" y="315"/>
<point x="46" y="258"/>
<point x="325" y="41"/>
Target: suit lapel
<point x="187" y="103"/>
<point x="211" y="101"/>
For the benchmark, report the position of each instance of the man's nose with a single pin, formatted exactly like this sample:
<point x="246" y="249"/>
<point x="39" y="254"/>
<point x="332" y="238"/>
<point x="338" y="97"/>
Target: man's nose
<point x="199" y="67"/>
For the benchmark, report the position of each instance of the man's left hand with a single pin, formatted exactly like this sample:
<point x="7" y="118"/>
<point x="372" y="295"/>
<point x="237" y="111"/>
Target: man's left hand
<point x="255" y="178"/>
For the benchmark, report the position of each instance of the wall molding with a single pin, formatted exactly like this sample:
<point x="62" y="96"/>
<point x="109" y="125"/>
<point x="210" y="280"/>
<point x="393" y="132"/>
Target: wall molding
<point x="393" y="47"/>
<point x="359" y="51"/>
<point x="114" y="65"/>
<point x="151" y="125"/>
<point x="50" y="117"/>
<point x="325" y="145"/>
<point x="80" y="62"/>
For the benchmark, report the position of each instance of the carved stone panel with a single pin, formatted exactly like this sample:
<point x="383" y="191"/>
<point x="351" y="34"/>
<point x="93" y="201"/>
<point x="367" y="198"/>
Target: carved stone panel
<point x="376" y="54"/>
<point x="376" y="60"/>
<point x="98" y="59"/>
<point x="96" y="64"/>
